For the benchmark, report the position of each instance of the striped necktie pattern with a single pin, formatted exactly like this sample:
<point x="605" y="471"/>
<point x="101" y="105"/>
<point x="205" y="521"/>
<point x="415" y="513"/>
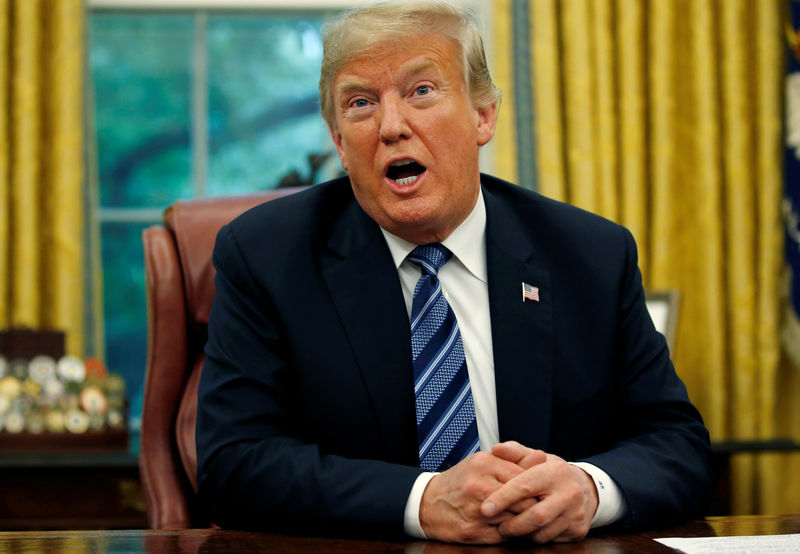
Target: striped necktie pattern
<point x="446" y="427"/>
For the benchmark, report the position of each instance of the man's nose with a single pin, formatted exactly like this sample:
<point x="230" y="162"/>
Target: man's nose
<point x="393" y="124"/>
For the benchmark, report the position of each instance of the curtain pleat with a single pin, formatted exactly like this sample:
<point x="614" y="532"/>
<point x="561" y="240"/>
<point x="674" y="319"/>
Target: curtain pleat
<point x="502" y="64"/>
<point x="5" y="167"/>
<point x="769" y="263"/>
<point x="706" y="307"/>
<point x="548" y="99"/>
<point x="606" y="136"/>
<point x="740" y="226"/>
<point x="64" y="262"/>
<point x="580" y="97"/>
<point x="632" y="106"/>
<point x="26" y="117"/>
<point x="663" y="55"/>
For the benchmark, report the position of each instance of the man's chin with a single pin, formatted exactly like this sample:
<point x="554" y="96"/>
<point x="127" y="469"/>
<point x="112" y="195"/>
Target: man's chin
<point x="418" y="229"/>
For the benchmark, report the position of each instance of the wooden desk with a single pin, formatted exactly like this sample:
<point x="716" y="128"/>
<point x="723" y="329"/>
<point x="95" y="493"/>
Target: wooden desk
<point x="208" y="540"/>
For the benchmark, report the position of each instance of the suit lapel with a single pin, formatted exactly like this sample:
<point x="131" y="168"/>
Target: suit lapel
<point x="363" y="282"/>
<point x="522" y="332"/>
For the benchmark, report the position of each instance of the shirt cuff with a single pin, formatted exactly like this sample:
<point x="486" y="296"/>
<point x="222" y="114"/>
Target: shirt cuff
<point x="411" y="519"/>
<point x="611" y="504"/>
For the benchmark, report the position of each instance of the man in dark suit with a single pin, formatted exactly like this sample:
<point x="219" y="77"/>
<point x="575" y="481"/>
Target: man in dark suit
<point x="370" y="334"/>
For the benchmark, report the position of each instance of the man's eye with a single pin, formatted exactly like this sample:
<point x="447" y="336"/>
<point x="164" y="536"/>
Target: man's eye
<point x="423" y="90"/>
<point x="359" y="103"/>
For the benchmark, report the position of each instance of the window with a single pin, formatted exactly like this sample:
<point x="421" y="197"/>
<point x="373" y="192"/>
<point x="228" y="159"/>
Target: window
<point x="192" y="103"/>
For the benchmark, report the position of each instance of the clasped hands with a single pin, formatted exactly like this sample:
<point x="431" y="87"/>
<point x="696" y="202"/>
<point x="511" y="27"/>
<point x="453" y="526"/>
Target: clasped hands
<point x="514" y="491"/>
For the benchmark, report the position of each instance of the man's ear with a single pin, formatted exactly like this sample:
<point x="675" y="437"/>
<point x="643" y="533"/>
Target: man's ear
<point x="487" y="121"/>
<point x="337" y="140"/>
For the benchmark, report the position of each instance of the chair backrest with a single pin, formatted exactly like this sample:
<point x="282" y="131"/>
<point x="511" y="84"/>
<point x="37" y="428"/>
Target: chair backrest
<point x="180" y="288"/>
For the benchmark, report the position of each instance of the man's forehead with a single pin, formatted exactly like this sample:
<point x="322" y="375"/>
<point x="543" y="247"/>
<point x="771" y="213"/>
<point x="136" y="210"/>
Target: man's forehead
<point x="400" y="60"/>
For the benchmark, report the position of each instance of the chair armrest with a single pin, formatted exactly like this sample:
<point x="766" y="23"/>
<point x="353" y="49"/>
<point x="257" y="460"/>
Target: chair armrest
<point x="164" y="487"/>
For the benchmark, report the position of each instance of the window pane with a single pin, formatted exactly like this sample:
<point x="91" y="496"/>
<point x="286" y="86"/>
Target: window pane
<point x="264" y="119"/>
<point x="125" y="309"/>
<point x="141" y="70"/>
<point x="264" y="123"/>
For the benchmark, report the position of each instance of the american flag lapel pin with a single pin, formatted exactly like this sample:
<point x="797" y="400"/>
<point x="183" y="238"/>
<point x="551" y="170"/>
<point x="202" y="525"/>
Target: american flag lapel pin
<point x="529" y="292"/>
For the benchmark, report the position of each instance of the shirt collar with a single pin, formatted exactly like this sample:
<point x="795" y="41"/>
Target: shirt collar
<point x="467" y="242"/>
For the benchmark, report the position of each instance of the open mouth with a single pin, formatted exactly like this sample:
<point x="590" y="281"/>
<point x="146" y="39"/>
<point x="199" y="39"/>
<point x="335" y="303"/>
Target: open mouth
<point x="405" y="172"/>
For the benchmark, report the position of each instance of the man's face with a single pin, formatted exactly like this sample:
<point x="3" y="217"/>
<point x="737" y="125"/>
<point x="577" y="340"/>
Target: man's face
<point x="408" y="135"/>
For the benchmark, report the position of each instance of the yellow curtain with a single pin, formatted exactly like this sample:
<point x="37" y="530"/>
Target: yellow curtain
<point x="666" y="117"/>
<point x="505" y="139"/>
<point x="41" y="167"/>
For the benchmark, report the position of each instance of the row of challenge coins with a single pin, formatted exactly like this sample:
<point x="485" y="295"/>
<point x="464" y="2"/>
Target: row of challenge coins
<point x="69" y="395"/>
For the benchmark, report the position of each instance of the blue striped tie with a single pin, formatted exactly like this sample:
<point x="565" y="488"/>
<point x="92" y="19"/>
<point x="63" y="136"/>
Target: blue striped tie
<point x="446" y="427"/>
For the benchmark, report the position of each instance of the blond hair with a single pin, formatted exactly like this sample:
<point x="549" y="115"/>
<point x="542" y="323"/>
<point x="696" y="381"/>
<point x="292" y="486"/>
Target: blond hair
<point x="362" y="29"/>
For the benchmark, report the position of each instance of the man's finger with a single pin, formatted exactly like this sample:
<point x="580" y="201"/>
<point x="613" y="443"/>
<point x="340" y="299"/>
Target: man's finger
<point x="535" y="518"/>
<point x="559" y="527"/>
<point x="523" y="456"/>
<point x="511" y="451"/>
<point x="526" y="485"/>
<point x="514" y="452"/>
<point x="521" y="506"/>
<point x="541" y="519"/>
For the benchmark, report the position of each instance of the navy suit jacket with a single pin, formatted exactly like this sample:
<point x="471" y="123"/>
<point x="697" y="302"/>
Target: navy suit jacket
<point x="306" y="406"/>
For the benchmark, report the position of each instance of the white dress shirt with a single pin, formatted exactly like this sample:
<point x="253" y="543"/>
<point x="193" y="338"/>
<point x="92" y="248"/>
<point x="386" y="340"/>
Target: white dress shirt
<point x="464" y="285"/>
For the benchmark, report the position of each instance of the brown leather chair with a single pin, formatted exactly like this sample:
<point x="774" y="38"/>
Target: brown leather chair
<point x="180" y="288"/>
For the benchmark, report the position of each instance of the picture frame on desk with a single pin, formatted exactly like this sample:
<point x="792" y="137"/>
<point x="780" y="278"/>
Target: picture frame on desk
<point x="664" y="306"/>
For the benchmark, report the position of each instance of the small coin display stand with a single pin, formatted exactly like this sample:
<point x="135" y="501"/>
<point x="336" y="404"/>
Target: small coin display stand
<point x="51" y="402"/>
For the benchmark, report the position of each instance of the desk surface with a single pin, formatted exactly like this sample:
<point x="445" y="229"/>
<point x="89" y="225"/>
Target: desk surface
<point x="208" y="540"/>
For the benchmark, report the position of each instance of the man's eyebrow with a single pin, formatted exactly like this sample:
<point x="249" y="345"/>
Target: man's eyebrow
<point x="417" y="66"/>
<point x="351" y="86"/>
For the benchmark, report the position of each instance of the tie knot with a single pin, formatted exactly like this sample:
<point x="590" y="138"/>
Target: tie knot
<point x="430" y="257"/>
